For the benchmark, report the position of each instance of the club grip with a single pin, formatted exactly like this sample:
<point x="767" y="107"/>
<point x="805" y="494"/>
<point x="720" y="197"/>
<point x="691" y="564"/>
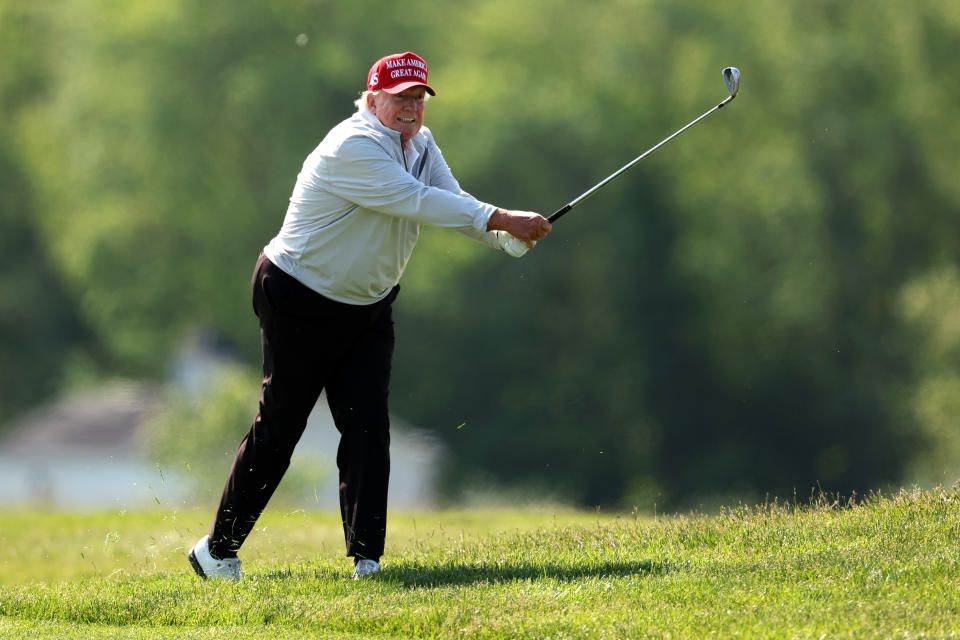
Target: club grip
<point x="559" y="213"/>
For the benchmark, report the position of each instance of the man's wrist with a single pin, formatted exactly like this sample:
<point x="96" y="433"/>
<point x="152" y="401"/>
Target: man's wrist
<point x="497" y="219"/>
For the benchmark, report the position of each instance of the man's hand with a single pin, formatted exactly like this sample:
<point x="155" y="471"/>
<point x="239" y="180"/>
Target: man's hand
<point x="526" y="226"/>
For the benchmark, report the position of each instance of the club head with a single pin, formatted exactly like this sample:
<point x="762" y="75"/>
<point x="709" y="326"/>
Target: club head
<point x="731" y="77"/>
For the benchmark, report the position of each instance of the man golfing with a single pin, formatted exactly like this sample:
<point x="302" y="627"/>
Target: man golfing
<point x="323" y="290"/>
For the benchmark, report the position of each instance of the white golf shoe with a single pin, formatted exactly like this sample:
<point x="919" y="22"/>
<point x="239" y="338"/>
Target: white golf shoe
<point x="209" y="567"/>
<point x="365" y="568"/>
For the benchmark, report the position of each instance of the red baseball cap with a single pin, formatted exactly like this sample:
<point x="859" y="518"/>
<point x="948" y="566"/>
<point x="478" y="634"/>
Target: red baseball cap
<point x="399" y="72"/>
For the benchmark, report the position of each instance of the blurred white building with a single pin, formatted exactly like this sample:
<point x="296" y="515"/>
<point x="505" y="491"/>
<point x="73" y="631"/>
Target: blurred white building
<point x="82" y="451"/>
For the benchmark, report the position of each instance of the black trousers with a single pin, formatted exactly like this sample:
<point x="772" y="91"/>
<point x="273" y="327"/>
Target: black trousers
<point x="311" y="343"/>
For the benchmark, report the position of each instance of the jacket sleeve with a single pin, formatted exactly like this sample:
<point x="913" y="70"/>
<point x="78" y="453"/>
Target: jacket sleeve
<point x="442" y="177"/>
<point x="363" y="173"/>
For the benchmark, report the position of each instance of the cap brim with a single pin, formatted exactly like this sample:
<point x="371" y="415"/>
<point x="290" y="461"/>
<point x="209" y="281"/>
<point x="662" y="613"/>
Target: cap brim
<point x="403" y="86"/>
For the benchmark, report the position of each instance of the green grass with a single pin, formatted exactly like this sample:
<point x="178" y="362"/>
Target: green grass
<point x="885" y="568"/>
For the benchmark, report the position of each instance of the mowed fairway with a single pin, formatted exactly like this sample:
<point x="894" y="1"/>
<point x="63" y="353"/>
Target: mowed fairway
<point x="886" y="568"/>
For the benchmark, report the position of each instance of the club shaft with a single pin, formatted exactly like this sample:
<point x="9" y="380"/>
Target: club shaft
<point x="589" y="192"/>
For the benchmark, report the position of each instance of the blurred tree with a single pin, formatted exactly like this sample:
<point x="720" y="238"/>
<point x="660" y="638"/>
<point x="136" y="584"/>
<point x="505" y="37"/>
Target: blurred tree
<point x="750" y="280"/>
<point x="41" y="326"/>
<point x="739" y="315"/>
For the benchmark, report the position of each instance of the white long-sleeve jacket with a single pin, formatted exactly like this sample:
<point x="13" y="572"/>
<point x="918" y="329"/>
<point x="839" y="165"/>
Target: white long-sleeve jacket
<point x="357" y="210"/>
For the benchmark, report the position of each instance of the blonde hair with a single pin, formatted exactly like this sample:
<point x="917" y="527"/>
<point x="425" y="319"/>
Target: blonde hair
<point x="361" y="102"/>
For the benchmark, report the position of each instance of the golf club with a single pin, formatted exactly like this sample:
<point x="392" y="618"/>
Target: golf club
<point x="731" y="77"/>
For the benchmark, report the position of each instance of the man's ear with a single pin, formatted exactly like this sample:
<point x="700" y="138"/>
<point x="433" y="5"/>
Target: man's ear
<point x="371" y="103"/>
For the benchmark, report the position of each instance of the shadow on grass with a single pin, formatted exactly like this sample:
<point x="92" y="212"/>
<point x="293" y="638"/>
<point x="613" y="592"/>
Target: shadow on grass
<point x="421" y="575"/>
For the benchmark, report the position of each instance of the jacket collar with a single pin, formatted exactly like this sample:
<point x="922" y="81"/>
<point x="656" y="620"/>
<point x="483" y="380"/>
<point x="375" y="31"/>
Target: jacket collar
<point x="419" y="140"/>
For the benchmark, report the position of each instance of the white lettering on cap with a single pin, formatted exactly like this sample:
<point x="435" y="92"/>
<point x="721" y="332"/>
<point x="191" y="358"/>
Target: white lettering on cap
<point x="408" y="73"/>
<point x="406" y="62"/>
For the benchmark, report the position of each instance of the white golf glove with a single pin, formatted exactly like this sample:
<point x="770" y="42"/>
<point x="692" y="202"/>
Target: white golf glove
<point x="513" y="245"/>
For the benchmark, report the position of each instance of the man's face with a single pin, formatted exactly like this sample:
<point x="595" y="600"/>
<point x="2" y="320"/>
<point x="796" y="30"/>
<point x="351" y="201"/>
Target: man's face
<point x="402" y="112"/>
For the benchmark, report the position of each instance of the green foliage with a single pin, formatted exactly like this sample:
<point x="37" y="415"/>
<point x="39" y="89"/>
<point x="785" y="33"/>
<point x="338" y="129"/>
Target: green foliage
<point x="196" y="435"/>
<point x="930" y="304"/>
<point x="742" y="314"/>
<point x="39" y="321"/>
<point x="886" y="567"/>
<point x="726" y="320"/>
<point x="40" y="325"/>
